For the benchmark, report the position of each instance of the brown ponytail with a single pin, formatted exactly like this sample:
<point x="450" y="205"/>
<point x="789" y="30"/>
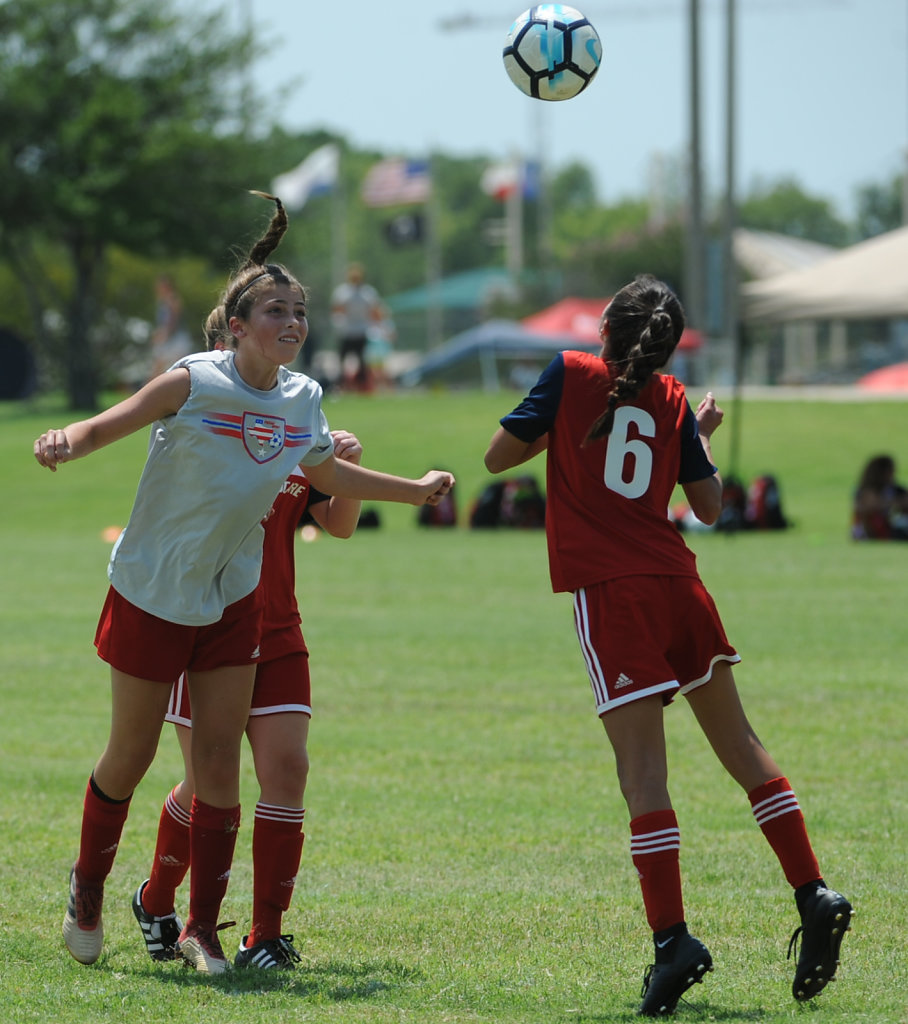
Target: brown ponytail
<point x="242" y="290"/>
<point x="645" y="322"/>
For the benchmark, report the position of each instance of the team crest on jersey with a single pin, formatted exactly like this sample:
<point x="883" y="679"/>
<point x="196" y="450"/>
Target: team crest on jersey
<point x="263" y="436"/>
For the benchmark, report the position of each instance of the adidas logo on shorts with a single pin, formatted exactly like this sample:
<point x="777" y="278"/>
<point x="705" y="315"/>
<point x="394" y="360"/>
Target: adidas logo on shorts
<point x="623" y="681"/>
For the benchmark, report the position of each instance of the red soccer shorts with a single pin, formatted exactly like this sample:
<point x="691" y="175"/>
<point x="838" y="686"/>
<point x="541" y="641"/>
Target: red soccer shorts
<point x="642" y="635"/>
<point x="281" y="685"/>
<point x="143" y="645"/>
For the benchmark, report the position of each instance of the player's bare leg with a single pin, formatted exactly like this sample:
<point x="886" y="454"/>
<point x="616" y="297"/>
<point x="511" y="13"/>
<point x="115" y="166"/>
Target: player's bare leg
<point x="825" y="914"/>
<point x="636" y="732"/>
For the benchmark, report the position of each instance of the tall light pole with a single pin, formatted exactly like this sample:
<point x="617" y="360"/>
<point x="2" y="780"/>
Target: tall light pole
<point x="694" y="279"/>
<point x="732" y="328"/>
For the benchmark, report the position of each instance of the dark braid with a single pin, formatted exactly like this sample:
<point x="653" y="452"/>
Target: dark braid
<point x="243" y="289"/>
<point x="645" y="321"/>
<point x="266" y="245"/>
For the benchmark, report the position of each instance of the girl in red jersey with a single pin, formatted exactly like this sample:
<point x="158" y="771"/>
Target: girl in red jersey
<point x="227" y="428"/>
<point x="277" y="729"/>
<point x="619" y="436"/>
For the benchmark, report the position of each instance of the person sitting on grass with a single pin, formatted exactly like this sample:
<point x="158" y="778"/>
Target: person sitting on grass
<point x="880" y="510"/>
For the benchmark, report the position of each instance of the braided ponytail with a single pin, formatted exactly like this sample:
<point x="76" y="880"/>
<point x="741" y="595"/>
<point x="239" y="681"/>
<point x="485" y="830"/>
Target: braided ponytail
<point x="645" y="322"/>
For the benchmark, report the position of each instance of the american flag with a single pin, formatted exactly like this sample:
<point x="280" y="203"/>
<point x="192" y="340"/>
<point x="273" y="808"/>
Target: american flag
<point x="392" y="182"/>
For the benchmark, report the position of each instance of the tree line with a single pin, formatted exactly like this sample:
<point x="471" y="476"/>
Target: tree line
<point x="128" y="149"/>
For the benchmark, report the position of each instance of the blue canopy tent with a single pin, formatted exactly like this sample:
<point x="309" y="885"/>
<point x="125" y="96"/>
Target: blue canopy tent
<point x="477" y="353"/>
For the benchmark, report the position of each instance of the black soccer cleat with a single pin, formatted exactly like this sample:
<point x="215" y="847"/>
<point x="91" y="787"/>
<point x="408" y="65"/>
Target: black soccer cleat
<point x="161" y="934"/>
<point x="271" y="954"/>
<point x="664" y="984"/>
<point x="825" y="917"/>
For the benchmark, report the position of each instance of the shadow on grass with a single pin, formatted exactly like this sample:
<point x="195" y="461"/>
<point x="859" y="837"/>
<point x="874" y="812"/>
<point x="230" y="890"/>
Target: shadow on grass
<point x="686" y="1011"/>
<point x="330" y="981"/>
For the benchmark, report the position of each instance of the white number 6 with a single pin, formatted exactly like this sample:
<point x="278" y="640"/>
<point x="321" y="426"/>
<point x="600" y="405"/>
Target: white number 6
<point x="620" y="448"/>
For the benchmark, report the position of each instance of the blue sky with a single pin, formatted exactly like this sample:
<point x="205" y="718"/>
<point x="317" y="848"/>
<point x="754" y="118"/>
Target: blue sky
<point x="822" y="87"/>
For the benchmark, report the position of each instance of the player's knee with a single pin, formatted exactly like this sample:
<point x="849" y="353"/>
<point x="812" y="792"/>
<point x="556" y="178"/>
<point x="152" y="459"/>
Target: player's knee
<point x="643" y="785"/>
<point x="283" y="768"/>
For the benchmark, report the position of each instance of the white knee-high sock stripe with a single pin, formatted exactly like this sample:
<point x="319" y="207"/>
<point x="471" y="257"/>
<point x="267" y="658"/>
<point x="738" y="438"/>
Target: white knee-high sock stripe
<point x="272" y="812"/>
<point x="656" y="842"/>
<point x="176" y="812"/>
<point x="775" y="806"/>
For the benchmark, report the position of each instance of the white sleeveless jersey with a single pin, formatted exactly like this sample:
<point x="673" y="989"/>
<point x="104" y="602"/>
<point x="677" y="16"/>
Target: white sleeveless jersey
<point x="193" y="543"/>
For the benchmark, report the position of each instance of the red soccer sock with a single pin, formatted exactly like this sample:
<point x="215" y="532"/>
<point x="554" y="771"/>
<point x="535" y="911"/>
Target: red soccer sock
<point x="656" y="853"/>
<point x="277" y="846"/>
<point x="171" y="859"/>
<point x="212" y="838"/>
<point x="102" y="825"/>
<point x="778" y="814"/>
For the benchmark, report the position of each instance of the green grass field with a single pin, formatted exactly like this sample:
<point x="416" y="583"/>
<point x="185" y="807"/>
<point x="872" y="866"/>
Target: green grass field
<point x="467" y="848"/>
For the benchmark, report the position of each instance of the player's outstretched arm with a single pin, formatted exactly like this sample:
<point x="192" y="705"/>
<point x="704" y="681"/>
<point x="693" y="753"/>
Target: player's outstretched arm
<point x="339" y="516"/>
<point x="345" y="480"/>
<point x="162" y="396"/>
<point x="506" y="451"/>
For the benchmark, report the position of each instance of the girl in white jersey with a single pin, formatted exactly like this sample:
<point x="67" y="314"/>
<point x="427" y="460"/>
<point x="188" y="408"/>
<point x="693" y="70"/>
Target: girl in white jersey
<point x="277" y="731"/>
<point x="227" y="429"/>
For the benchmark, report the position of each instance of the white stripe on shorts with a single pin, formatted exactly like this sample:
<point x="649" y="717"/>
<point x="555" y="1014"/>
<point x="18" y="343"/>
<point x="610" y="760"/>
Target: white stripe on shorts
<point x="593" y="668"/>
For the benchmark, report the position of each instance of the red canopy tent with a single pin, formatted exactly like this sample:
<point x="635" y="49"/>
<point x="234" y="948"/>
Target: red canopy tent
<point x="886" y="378"/>
<point x="579" y="318"/>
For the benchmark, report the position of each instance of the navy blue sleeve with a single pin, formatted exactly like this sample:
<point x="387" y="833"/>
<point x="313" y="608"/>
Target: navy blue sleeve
<point x="316" y="496"/>
<point x="536" y="413"/>
<point x="694" y="463"/>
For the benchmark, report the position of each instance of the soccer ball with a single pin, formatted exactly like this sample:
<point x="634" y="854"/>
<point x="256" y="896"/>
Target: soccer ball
<point x="552" y="52"/>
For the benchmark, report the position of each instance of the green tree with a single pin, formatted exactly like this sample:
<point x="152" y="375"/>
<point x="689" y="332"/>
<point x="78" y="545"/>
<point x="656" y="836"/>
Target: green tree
<point x="122" y="125"/>
<point x="786" y="208"/>
<point x="880" y="208"/>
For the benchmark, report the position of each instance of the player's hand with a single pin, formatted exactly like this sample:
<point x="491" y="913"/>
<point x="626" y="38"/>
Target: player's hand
<point x="52" y="448"/>
<point x="435" y="485"/>
<point x="347" y="446"/>
<point x="709" y="415"/>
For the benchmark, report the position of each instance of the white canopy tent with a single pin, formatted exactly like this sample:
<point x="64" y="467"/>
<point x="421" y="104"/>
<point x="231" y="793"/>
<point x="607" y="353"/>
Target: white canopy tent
<point x="763" y="254"/>
<point x="863" y="282"/>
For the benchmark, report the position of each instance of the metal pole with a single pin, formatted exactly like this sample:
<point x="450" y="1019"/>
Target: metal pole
<point x="694" y="300"/>
<point x="434" y="309"/>
<point x="543" y="203"/>
<point x="905" y="184"/>
<point x="513" y="210"/>
<point x="732" y="327"/>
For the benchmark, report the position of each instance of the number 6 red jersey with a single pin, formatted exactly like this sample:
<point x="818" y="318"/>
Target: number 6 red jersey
<point x="607" y="500"/>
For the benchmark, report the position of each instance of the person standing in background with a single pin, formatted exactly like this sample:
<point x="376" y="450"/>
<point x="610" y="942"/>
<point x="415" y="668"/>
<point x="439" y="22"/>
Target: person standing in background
<point x="170" y="340"/>
<point x="355" y="307"/>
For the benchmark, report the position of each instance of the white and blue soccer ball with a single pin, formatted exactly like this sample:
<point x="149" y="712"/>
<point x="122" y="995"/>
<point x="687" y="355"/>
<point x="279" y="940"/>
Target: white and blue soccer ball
<point x="552" y="52"/>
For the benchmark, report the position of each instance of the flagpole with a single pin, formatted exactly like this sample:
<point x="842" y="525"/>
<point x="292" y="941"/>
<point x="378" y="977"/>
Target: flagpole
<point x="544" y="204"/>
<point x="338" y="231"/>
<point x="434" y="312"/>
<point x="514" y="221"/>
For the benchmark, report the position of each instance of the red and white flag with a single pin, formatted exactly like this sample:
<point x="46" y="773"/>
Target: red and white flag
<point x="395" y="182"/>
<point x="502" y="180"/>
